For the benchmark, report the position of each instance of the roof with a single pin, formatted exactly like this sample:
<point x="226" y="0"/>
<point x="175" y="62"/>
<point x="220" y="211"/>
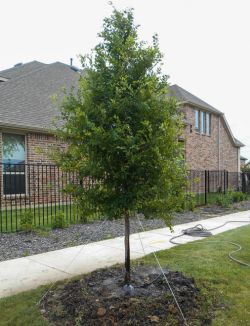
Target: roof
<point x="243" y="158"/>
<point x="239" y="142"/>
<point x="184" y="96"/>
<point x="26" y="97"/>
<point x="21" y="69"/>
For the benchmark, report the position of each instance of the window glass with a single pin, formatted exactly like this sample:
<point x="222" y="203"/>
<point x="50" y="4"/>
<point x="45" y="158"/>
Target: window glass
<point x="197" y="119"/>
<point x="13" y="149"/>
<point x="208" y="123"/>
<point x="14" y="164"/>
<point x="203" y="122"/>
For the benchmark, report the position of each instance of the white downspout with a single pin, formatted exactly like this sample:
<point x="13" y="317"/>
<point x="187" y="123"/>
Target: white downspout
<point x="238" y="161"/>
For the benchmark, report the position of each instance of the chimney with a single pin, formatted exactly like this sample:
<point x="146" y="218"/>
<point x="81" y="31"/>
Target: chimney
<point x="71" y="61"/>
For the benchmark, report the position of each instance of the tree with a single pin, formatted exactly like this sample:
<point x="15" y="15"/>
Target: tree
<point x="123" y="129"/>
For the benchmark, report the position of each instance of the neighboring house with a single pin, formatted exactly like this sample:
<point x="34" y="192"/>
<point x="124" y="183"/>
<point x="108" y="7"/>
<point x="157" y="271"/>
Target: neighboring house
<point x="26" y="108"/>
<point x="247" y="165"/>
<point x="26" y="115"/>
<point x="27" y="112"/>
<point x="209" y="142"/>
<point x="243" y="162"/>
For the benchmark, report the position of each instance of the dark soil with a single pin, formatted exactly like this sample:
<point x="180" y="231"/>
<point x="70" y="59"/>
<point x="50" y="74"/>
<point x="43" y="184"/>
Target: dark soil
<point x="99" y="299"/>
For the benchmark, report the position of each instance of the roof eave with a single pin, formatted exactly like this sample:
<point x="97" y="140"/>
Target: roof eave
<point x="201" y="107"/>
<point x="235" y="142"/>
<point x="25" y="128"/>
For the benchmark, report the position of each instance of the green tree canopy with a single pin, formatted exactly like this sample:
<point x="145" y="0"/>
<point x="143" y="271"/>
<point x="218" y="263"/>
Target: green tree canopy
<point x="122" y="128"/>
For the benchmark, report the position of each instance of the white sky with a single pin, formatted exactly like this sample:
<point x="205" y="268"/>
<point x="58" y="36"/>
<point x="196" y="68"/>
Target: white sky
<point x="206" y="43"/>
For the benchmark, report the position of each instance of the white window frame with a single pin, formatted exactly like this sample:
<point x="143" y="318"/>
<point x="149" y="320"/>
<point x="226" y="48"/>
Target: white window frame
<point x="208" y="123"/>
<point x="203" y="122"/>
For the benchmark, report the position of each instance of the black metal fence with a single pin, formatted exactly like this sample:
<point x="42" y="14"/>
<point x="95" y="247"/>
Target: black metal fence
<point x="207" y="185"/>
<point x="35" y="193"/>
<point x="245" y="182"/>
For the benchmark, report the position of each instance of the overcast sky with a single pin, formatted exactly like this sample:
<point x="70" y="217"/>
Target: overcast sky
<point x="206" y="43"/>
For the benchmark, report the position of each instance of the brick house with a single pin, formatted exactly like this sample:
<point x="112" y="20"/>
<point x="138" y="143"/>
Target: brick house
<point x="243" y="162"/>
<point x="209" y="142"/>
<point x="26" y="114"/>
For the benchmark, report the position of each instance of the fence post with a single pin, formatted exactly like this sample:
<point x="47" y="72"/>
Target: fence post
<point x="1" y="193"/>
<point x="224" y="179"/>
<point x="205" y="187"/>
<point x="243" y="182"/>
<point x="208" y="181"/>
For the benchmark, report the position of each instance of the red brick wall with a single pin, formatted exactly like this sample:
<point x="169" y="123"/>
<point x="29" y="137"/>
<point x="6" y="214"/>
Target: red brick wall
<point x="229" y="157"/>
<point x="42" y="182"/>
<point x="204" y="152"/>
<point x="40" y="147"/>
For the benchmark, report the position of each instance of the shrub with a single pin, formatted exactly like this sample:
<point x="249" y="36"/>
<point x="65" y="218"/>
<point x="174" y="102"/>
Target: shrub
<point x="224" y="200"/>
<point x="188" y="204"/>
<point x="238" y="196"/>
<point x="26" y="221"/>
<point x="229" y="198"/>
<point x="59" y="221"/>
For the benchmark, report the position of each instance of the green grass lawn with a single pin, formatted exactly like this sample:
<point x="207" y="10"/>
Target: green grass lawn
<point x="42" y="216"/>
<point x="212" y="198"/>
<point x="218" y="198"/>
<point x="225" y="284"/>
<point x="222" y="281"/>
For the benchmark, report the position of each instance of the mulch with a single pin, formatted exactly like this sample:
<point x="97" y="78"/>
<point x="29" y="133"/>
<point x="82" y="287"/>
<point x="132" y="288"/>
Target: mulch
<point x="99" y="299"/>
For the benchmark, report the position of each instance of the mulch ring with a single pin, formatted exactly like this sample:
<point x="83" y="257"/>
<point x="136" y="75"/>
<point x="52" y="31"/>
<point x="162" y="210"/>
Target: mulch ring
<point x="99" y="299"/>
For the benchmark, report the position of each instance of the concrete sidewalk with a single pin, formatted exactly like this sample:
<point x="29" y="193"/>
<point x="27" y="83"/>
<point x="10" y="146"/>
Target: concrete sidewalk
<point x="26" y="273"/>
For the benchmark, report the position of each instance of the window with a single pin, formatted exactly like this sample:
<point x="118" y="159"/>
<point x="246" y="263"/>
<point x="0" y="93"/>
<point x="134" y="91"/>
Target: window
<point x="203" y="122"/>
<point x="197" y="119"/>
<point x="14" y="164"/>
<point x="208" y="123"/>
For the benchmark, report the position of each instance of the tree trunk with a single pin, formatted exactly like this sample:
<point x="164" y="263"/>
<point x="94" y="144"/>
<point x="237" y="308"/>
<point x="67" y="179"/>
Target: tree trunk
<point x="127" y="249"/>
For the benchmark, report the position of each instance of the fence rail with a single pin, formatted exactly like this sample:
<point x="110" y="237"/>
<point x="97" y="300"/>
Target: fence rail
<point x="206" y="184"/>
<point x="38" y="191"/>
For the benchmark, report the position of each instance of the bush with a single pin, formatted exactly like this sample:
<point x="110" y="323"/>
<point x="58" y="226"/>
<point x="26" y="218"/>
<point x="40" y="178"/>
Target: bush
<point x="188" y="204"/>
<point x="59" y="221"/>
<point x="224" y="200"/>
<point x="229" y="198"/>
<point x="26" y="221"/>
<point x="238" y="196"/>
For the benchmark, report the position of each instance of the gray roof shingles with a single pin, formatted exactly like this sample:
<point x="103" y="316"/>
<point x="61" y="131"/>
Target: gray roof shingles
<point x="184" y="96"/>
<point x="22" y="69"/>
<point x="26" y="98"/>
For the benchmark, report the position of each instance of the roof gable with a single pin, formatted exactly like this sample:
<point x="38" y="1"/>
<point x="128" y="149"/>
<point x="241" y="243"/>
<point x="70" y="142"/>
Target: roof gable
<point x="27" y="97"/>
<point x="184" y="96"/>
